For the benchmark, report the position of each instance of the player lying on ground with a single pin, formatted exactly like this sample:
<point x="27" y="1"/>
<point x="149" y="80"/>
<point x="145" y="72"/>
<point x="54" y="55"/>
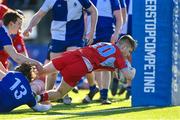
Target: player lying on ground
<point x="16" y="91"/>
<point x="77" y="63"/>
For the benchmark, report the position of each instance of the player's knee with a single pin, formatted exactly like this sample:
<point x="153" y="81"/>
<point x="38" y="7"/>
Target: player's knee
<point x="60" y="93"/>
<point x="53" y="74"/>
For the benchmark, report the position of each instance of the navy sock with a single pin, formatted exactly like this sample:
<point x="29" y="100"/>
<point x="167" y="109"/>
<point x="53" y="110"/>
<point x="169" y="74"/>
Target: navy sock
<point x="104" y="94"/>
<point x="92" y="88"/>
<point x="129" y="89"/>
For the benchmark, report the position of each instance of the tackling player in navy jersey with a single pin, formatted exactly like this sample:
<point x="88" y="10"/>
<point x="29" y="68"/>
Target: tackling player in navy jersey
<point x="12" y="22"/>
<point x="16" y="91"/>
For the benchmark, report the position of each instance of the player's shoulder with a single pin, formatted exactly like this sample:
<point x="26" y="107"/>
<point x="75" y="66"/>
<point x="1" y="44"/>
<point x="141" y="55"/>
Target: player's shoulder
<point x="3" y="7"/>
<point x="9" y="75"/>
<point x="4" y="34"/>
<point x="13" y="73"/>
<point x="17" y="38"/>
<point x="16" y="75"/>
<point x="3" y="30"/>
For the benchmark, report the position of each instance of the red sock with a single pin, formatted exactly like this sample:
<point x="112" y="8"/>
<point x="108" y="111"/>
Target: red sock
<point x="44" y="97"/>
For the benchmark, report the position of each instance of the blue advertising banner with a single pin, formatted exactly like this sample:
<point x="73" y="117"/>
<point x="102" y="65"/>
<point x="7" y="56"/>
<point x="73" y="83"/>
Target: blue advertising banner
<point x="152" y="28"/>
<point x="176" y="54"/>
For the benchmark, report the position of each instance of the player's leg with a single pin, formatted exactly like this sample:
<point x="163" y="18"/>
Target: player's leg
<point x="98" y="78"/>
<point x="67" y="99"/>
<point x="56" y="94"/>
<point x="128" y="93"/>
<point x="51" y="77"/>
<point x="69" y="66"/>
<point x="106" y="78"/>
<point x="90" y="78"/>
<point x="60" y="92"/>
<point x="56" y="48"/>
<point x="93" y="89"/>
<point x="103" y="79"/>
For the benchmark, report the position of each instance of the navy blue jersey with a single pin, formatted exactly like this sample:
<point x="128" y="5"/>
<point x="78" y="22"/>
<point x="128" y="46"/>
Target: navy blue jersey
<point x="15" y="91"/>
<point x="122" y="3"/>
<point x="105" y="24"/>
<point x="5" y="39"/>
<point x="68" y="20"/>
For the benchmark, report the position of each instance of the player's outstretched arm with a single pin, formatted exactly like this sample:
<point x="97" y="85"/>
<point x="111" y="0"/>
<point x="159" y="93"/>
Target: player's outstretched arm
<point x="94" y="17"/>
<point x="19" y="58"/>
<point x="2" y="68"/>
<point x="34" y="21"/>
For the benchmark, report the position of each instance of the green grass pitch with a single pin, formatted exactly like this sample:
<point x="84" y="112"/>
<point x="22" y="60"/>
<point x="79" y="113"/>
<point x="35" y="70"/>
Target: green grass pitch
<point x="120" y="109"/>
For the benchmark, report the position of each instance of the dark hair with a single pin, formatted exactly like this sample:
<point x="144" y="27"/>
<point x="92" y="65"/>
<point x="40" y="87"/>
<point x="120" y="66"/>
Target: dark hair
<point x="25" y="69"/>
<point x="11" y="17"/>
<point x="130" y="39"/>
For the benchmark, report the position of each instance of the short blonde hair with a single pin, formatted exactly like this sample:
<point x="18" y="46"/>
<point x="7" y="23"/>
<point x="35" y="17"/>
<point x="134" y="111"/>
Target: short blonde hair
<point x="130" y="39"/>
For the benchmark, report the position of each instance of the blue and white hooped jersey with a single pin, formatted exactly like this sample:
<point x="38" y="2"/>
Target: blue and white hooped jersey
<point x="68" y="20"/>
<point x="15" y="91"/>
<point x="5" y="38"/>
<point x="105" y="24"/>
